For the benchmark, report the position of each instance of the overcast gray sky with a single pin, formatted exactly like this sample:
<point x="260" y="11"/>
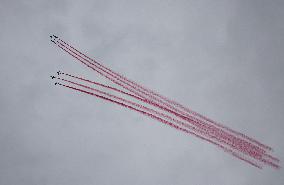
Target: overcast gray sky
<point x="222" y="58"/>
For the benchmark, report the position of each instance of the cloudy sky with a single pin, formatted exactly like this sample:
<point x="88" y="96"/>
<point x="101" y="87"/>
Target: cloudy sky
<point x="222" y="58"/>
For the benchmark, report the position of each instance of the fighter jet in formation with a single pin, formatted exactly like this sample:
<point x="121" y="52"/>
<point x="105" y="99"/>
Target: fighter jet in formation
<point x="53" y="77"/>
<point x="53" y="38"/>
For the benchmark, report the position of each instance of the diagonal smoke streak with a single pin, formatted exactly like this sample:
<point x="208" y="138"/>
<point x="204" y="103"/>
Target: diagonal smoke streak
<point x="154" y="94"/>
<point x="149" y="110"/>
<point x="256" y="154"/>
<point x="240" y="143"/>
<point x="231" y="139"/>
<point x="228" y="150"/>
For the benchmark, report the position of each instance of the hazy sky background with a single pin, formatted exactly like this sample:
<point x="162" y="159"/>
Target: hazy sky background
<point x="221" y="58"/>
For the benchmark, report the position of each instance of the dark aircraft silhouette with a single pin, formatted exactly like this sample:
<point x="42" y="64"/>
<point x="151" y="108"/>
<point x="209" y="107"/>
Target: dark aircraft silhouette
<point x="58" y="72"/>
<point x="52" y="77"/>
<point x="53" y="38"/>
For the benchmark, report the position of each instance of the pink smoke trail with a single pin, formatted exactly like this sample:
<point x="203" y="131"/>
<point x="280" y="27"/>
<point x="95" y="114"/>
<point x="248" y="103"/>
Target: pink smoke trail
<point x="166" y="99"/>
<point x="80" y="78"/>
<point x="165" y="122"/>
<point x="222" y="133"/>
<point x="144" y="108"/>
<point x="234" y="142"/>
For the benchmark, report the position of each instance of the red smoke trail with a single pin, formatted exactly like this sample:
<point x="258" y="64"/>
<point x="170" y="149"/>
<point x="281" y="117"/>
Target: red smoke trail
<point x="99" y="84"/>
<point x="132" y="103"/>
<point x="168" y="100"/>
<point x="252" y="153"/>
<point x="80" y="78"/>
<point x="256" y="154"/>
<point x="165" y="122"/>
<point x="129" y="102"/>
<point x="150" y="110"/>
<point x="230" y="138"/>
<point x="235" y="143"/>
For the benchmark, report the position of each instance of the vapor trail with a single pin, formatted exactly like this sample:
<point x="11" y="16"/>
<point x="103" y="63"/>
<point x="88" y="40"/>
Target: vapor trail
<point x="213" y="130"/>
<point x="154" y="94"/>
<point x="156" y="113"/>
<point x="231" y="141"/>
<point x="234" y="153"/>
